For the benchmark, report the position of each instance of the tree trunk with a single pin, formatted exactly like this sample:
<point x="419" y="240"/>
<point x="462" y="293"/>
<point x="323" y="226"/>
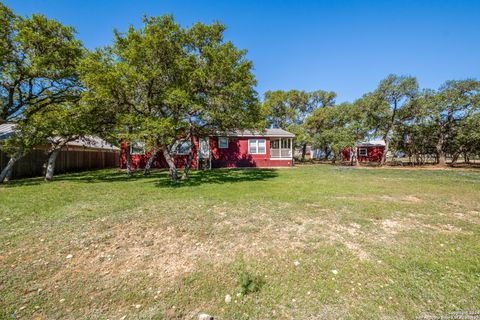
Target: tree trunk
<point x="50" y="169"/>
<point x="390" y="128"/>
<point x="9" y="175"/>
<point x="7" y="171"/>
<point x="441" y="157"/>
<point x="304" y="151"/>
<point x="171" y="165"/>
<point x="455" y="157"/>
<point x="385" y="151"/>
<point x="153" y="154"/>
<point x="128" y="161"/>
<point x="49" y="165"/>
<point x="190" y="155"/>
<point x="187" y="167"/>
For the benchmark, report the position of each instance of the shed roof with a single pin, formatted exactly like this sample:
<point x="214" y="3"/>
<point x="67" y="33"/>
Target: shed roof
<point x="371" y="143"/>
<point x="280" y="133"/>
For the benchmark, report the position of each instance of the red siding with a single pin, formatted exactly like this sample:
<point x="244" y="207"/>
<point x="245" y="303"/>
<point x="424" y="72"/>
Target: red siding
<point x="346" y="154"/>
<point x="139" y="160"/>
<point x="235" y="156"/>
<point x="374" y="154"/>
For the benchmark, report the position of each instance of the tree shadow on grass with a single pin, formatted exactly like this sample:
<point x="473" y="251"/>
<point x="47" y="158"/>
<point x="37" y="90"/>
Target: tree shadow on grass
<point x="92" y="176"/>
<point x="219" y="176"/>
<point x="159" y="177"/>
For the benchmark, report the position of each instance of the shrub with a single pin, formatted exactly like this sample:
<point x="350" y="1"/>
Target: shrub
<point x="247" y="281"/>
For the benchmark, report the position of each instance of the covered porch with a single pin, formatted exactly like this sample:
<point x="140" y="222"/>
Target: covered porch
<point x="281" y="148"/>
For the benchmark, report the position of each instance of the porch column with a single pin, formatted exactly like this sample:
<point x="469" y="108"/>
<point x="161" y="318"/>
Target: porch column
<point x="291" y="147"/>
<point x="280" y="147"/>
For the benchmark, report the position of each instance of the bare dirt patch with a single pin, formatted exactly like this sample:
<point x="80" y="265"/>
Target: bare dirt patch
<point x="168" y="250"/>
<point x="382" y="198"/>
<point x="350" y="236"/>
<point x="274" y="234"/>
<point x="359" y="252"/>
<point x="412" y="199"/>
<point x="469" y="216"/>
<point x="450" y="228"/>
<point x="392" y="227"/>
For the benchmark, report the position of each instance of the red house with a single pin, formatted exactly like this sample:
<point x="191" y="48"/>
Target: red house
<point x="270" y="148"/>
<point x="370" y="151"/>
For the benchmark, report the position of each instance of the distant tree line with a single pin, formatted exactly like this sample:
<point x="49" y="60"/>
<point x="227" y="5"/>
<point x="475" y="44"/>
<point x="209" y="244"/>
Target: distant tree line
<point x="162" y="83"/>
<point x="419" y="124"/>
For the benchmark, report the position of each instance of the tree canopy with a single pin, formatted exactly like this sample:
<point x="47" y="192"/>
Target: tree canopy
<point x="38" y="60"/>
<point x="163" y="82"/>
<point x="38" y="70"/>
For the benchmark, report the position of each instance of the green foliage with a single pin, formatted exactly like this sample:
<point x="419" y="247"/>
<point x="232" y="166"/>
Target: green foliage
<point x="165" y="82"/>
<point x="441" y="121"/>
<point x="286" y="108"/>
<point x="162" y="82"/>
<point x="386" y="106"/>
<point x="247" y="281"/>
<point x="38" y="81"/>
<point x="38" y="59"/>
<point x="337" y="127"/>
<point x="26" y="135"/>
<point x="289" y="110"/>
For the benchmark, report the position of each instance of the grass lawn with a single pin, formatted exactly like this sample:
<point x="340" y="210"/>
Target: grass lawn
<point x="315" y="242"/>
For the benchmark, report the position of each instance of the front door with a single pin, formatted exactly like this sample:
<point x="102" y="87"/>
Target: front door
<point x="204" y="149"/>
<point x="204" y="161"/>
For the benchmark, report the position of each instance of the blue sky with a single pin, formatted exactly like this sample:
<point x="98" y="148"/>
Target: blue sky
<point x="346" y="46"/>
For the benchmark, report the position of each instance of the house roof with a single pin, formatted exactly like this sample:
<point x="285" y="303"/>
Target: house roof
<point x="7" y="129"/>
<point x="258" y="133"/>
<point x="92" y="142"/>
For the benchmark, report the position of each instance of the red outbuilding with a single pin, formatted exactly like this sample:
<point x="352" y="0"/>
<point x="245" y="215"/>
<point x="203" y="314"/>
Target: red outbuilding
<point x="270" y="148"/>
<point x="370" y="151"/>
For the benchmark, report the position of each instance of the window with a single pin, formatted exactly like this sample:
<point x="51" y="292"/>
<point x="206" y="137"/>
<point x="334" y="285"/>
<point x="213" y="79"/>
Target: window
<point x="223" y="143"/>
<point x="182" y="147"/>
<point x="274" y="144"/>
<point x="362" y="152"/>
<point x="285" y="143"/>
<point x="256" y="146"/>
<point x="137" y="147"/>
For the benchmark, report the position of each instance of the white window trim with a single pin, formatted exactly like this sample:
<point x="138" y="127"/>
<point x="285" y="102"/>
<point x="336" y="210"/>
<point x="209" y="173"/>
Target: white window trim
<point x="176" y="147"/>
<point x="360" y="152"/>
<point x="220" y="144"/>
<point x="256" y="146"/>
<point x="137" y="153"/>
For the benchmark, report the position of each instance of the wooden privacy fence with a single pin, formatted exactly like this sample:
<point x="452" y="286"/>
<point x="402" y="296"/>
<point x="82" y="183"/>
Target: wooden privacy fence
<point x="68" y="160"/>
